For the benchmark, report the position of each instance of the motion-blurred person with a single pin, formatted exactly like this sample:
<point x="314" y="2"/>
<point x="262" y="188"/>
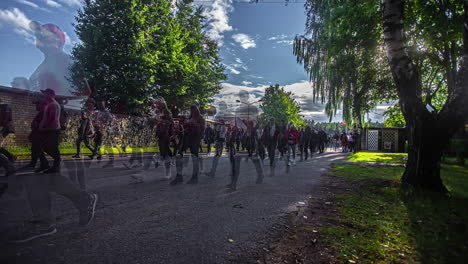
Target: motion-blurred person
<point x="49" y="131"/>
<point x="34" y="136"/>
<point x="305" y="143"/>
<point x="102" y="120"/>
<point x="293" y="139"/>
<point x="247" y="115"/>
<point x="85" y="128"/>
<point x="270" y="139"/>
<point x="344" y="142"/>
<point x="163" y="133"/>
<point x="209" y="138"/>
<point x="220" y="139"/>
<point x="193" y="133"/>
<point x="38" y="191"/>
<point x="322" y="140"/>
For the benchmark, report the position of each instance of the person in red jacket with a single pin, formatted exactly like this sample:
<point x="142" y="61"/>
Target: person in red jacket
<point x="293" y="139"/>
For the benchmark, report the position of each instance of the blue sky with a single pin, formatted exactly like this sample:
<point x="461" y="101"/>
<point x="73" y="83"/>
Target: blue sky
<point x="255" y="43"/>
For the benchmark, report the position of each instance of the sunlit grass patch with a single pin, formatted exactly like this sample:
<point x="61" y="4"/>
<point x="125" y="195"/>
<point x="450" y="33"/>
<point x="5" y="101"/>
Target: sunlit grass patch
<point x="378" y="157"/>
<point x="380" y="222"/>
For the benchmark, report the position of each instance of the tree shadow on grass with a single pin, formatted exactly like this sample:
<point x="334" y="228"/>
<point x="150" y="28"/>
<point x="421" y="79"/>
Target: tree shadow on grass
<point x="438" y="226"/>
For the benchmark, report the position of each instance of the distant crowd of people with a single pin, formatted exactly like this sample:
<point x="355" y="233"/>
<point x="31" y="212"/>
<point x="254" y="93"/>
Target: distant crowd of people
<point x="241" y="135"/>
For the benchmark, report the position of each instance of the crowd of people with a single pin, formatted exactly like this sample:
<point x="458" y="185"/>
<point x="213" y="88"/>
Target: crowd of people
<point x="241" y="136"/>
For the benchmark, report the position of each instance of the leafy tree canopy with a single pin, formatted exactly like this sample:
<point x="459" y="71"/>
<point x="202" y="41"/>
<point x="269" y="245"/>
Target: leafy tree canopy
<point x="281" y="106"/>
<point x="132" y="51"/>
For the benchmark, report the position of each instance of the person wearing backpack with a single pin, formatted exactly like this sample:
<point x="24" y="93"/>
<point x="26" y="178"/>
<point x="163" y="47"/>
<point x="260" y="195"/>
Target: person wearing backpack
<point x="85" y="128"/>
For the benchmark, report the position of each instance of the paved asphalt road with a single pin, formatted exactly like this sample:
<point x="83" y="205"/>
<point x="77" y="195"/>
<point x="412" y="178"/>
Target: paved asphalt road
<point x="152" y="222"/>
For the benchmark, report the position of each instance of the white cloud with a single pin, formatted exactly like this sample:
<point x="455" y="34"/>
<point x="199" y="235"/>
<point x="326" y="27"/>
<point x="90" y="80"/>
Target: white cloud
<point x="218" y="20"/>
<point x="232" y="69"/>
<point x="246" y="83"/>
<point x="19" y="24"/>
<point x="67" y="39"/>
<point x="52" y="3"/>
<point x="238" y="60"/>
<point x="244" y="40"/>
<point x="278" y="37"/>
<point x="70" y="2"/>
<point x="33" y="5"/>
<point x="18" y="21"/>
<point x="287" y="42"/>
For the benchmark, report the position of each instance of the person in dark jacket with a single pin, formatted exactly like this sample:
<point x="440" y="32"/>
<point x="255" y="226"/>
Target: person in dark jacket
<point x="34" y="136"/>
<point x="85" y="128"/>
<point x="305" y="143"/>
<point x="270" y="140"/>
<point x="322" y="140"/>
<point x="209" y="138"/>
<point x="164" y="127"/>
<point x="193" y="134"/>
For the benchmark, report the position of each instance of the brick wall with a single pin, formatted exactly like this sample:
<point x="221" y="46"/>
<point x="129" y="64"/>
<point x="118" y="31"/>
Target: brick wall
<point x="23" y="110"/>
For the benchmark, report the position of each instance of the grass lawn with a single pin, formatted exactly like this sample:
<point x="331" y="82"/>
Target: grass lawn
<point x="378" y="157"/>
<point x="24" y="152"/>
<point x="381" y="222"/>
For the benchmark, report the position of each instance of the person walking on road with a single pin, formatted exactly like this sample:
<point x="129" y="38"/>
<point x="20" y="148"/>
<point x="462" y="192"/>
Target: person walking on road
<point x="164" y="132"/>
<point x="322" y="140"/>
<point x="270" y="140"/>
<point x="293" y="139"/>
<point x="192" y="136"/>
<point x="85" y="128"/>
<point x="220" y="139"/>
<point x="209" y="138"/>
<point x="49" y="132"/>
<point x="305" y="143"/>
<point x="344" y="142"/>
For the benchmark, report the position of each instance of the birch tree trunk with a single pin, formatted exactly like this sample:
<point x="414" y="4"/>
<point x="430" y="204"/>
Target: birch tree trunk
<point x="428" y="132"/>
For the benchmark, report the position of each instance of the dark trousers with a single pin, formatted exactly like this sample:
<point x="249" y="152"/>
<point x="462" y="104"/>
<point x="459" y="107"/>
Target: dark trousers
<point x="50" y="145"/>
<point x="304" y="151"/>
<point x="192" y="143"/>
<point x="7" y="154"/>
<point x="85" y="140"/>
<point x="208" y="146"/>
<point x="38" y="191"/>
<point x="97" y="142"/>
<point x="321" y="146"/>
<point x="6" y="164"/>
<point x="36" y="140"/>
<point x="271" y="148"/>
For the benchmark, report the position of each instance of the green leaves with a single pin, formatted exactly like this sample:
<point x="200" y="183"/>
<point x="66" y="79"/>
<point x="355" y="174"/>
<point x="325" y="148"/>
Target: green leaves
<point x="342" y="55"/>
<point x="281" y="106"/>
<point x="131" y="52"/>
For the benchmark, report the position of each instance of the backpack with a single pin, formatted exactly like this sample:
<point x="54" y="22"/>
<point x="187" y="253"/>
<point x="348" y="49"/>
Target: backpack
<point x="63" y="119"/>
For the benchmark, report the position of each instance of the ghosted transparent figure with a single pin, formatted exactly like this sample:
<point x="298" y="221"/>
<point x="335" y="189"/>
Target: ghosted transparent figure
<point x="191" y="138"/>
<point x="246" y="116"/>
<point x="53" y="73"/>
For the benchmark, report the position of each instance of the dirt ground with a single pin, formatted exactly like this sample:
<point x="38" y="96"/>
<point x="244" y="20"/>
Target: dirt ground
<point x="299" y="240"/>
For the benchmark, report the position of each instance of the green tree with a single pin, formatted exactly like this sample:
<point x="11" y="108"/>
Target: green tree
<point x="444" y="26"/>
<point x="424" y="43"/>
<point x="281" y="106"/>
<point x="342" y="52"/>
<point x="394" y="117"/>
<point x="132" y="51"/>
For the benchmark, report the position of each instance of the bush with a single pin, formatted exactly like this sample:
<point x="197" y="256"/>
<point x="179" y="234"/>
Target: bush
<point x="459" y="147"/>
